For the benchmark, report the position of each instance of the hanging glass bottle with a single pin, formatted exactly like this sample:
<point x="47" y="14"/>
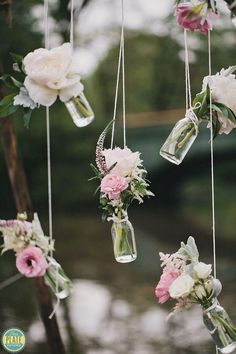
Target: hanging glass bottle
<point x="220" y="327"/>
<point x="180" y="140"/>
<point x="124" y="244"/>
<point x="80" y="110"/>
<point x="57" y="280"/>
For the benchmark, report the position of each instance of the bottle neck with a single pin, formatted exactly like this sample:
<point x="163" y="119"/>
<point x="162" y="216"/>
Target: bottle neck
<point x="210" y="304"/>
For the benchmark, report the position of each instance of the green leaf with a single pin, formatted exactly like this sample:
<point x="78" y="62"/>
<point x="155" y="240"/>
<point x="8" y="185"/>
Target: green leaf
<point x="6" y="105"/>
<point x="202" y="98"/>
<point x="27" y="112"/>
<point x="18" y="59"/>
<point x="189" y="250"/>
<point x="10" y="81"/>
<point x="216" y="126"/>
<point x="95" y="170"/>
<point x="226" y="111"/>
<point x="111" y="168"/>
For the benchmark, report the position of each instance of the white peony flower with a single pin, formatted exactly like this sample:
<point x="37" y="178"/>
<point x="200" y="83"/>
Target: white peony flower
<point x="127" y="162"/>
<point x="181" y="287"/>
<point x="223" y="88"/>
<point x="50" y="74"/>
<point x="202" y="270"/>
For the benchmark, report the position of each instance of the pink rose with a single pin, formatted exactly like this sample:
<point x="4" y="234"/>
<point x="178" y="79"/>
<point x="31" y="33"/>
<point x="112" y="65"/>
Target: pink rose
<point x="31" y="262"/>
<point x="162" y="289"/>
<point x="195" y="17"/>
<point x="113" y="185"/>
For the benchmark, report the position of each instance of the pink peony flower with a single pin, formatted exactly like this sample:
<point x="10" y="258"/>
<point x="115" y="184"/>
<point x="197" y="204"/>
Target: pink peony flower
<point x="195" y="17"/>
<point x="162" y="289"/>
<point x="113" y="185"/>
<point x="31" y="262"/>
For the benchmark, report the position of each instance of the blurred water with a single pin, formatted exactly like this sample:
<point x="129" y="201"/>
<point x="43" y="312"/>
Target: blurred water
<point x="113" y="309"/>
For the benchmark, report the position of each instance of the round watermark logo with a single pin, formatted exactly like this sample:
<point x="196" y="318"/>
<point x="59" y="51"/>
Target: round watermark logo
<point x="13" y="340"/>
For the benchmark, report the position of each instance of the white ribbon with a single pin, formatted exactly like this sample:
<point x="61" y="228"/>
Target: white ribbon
<point x="215" y="303"/>
<point x="191" y="115"/>
<point x="117" y="220"/>
<point x="56" y="265"/>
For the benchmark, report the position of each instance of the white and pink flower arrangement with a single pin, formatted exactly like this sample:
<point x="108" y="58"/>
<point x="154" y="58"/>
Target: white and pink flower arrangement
<point x="43" y="76"/>
<point x="33" y="253"/>
<point x="189" y="281"/>
<point x="198" y="15"/>
<point x="122" y="179"/>
<point x="222" y="88"/>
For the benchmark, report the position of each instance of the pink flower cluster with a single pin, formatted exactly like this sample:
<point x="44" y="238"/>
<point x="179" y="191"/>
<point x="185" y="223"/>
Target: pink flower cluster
<point x="31" y="262"/>
<point x="113" y="185"/>
<point x="162" y="288"/>
<point x="190" y="16"/>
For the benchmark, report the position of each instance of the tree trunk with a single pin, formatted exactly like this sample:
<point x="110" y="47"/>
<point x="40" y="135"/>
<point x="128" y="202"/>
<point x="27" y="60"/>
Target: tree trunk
<point x="23" y="203"/>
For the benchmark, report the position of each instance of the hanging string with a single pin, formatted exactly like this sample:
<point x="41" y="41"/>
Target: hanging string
<point x="187" y="74"/>
<point x="72" y="23"/>
<point x="121" y="63"/>
<point x="212" y="167"/>
<point x="190" y="114"/>
<point x="212" y="164"/>
<point x="123" y="72"/>
<point x="47" y="44"/>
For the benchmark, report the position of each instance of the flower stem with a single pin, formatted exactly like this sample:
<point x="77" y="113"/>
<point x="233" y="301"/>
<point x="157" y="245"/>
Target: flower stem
<point x="186" y="138"/>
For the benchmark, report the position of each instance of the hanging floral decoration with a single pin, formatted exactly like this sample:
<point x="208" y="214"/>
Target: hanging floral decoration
<point x="189" y="281"/>
<point x="43" y="76"/>
<point x="122" y="180"/>
<point x="198" y="15"/>
<point x="33" y="253"/>
<point x="222" y="87"/>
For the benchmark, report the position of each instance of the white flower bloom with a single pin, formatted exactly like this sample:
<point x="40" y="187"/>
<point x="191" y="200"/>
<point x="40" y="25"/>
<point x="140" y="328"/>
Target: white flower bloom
<point x="50" y="73"/>
<point x="202" y="270"/>
<point x="200" y="292"/>
<point x="127" y="162"/>
<point x="209" y="286"/>
<point x="23" y="99"/>
<point x="181" y="287"/>
<point x="223" y="88"/>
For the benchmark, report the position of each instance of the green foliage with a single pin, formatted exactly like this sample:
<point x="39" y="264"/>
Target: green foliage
<point x="6" y="105"/>
<point x="18" y="59"/>
<point x="10" y="82"/>
<point x="189" y="250"/>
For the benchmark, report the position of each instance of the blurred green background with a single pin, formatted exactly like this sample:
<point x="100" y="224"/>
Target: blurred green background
<point x="113" y="308"/>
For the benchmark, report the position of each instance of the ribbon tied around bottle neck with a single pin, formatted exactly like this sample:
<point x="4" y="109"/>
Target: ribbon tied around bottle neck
<point x="116" y="219"/>
<point x="217" y="287"/>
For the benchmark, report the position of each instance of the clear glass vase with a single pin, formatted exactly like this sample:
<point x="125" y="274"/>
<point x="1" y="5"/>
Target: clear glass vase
<point x="179" y="141"/>
<point x="124" y="244"/>
<point x="220" y="327"/>
<point x="57" y="280"/>
<point x="80" y="110"/>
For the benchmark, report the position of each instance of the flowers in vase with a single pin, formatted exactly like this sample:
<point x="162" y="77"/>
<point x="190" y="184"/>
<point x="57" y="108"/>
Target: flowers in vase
<point x="32" y="249"/>
<point x="196" y="15"/>
<point x="222" y="88"/>
<point x="189" y="281"/>
<point x="44" y="75"/>
<point x="122" y="179"/>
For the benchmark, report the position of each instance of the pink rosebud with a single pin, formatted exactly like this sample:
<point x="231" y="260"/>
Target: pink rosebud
<point x="113" y="185"/>
<point x="31" y="262"/>
<point x="195" y="17"/>
<point x="162" y="289"/>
